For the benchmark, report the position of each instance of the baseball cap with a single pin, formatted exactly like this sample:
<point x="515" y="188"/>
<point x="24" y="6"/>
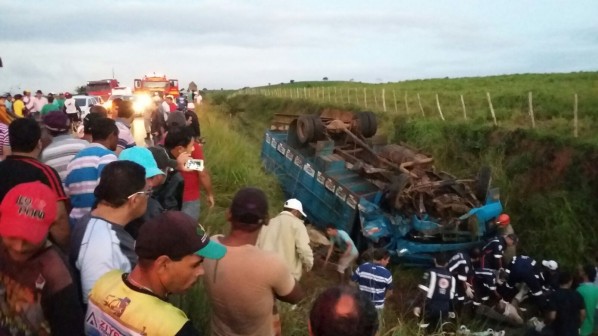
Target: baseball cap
<point x="56" y="121"/>
<point x="162" y="158"/>
<point x="27" y="211"/>
<point x="144" y="158"/>
<point x="295" y="204"/>
<point x="250" y="206"/>
<point x="550" y="264"/>
<point x="176" y="235"/>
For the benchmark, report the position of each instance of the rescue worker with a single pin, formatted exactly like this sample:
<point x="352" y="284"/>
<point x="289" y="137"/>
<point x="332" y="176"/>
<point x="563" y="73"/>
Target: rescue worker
<point x="461" y="267"/>
<point x="524" y="275"/>
<point x="484" y="285"/>
<point x="503" y="226"/>
<point x="438" y="291"/>
<point x="493" y="251"/>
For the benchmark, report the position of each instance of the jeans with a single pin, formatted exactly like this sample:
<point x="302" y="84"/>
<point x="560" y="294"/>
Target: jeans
<point x="191" y="208"/>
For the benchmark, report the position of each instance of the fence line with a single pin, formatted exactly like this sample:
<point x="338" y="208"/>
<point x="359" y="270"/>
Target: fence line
<point x="448" y="108"/>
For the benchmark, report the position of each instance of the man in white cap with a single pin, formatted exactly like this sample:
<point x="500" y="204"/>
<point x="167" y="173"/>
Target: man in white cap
<point x="287" y="236"/>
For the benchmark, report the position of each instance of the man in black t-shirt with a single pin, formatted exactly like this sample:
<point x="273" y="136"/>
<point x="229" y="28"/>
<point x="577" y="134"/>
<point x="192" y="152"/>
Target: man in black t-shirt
<point x="566" y="309"/>
<point x="23" y="166"/>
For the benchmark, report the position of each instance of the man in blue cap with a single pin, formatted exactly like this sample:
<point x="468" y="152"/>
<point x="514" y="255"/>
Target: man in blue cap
<point x="171" y="249"/>
<point x="154" y="176"/>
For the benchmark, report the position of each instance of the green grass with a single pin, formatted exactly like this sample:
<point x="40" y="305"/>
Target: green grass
<point x="553" y="98"/>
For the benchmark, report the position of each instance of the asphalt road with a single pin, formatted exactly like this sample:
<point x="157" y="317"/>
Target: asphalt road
<point x="138" y="130"/>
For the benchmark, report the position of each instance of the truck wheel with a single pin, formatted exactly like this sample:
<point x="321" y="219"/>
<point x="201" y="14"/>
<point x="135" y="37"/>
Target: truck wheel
<point x="368" y="124"/>
<point x="305" y="129"/>
<point x="483" y="183"/>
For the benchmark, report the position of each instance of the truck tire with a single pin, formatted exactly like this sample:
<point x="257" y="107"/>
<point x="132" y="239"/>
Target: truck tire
<point x="483" y="183"/>
<point x="305" y="129"/>
<point x="368" y="124"/>
<point x="319" y="128"/>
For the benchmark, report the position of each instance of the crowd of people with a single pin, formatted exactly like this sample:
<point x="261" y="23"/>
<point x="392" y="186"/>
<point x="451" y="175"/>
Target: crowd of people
<point x="97" y="232"/>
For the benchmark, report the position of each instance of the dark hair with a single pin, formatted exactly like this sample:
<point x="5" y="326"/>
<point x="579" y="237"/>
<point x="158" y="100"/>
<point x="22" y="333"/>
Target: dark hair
<point x="102" y="128"/>
<point x="331" y="226"/>
<point x="565" y="277"/>
<point x="441" y="258"/>
<point x="125" y="109"/>
<point x="50" y="99"/>
<point x="590" y="272"/>
<point x="18" y="96"/>
<point x="380" y="253"/>
<point x="325" y="320"/>
<point x="119" y="180"/>
<point x="178" y="136"/>
<point x="475" y="252"/>
<point x="117" y="102"/>
<point x="99" y="109"/>
<point x="24" y="134"/>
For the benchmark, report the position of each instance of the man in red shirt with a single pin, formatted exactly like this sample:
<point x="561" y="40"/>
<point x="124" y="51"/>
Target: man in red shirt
<point x="180" y="140"/>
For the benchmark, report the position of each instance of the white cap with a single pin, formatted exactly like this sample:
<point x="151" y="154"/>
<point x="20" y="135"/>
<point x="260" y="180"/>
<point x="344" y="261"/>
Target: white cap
<point x="295" y="204"/>
<point x="550" y="264"/>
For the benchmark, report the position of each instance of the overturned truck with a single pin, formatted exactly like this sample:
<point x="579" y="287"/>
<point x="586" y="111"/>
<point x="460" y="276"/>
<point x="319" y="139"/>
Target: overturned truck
<point x="383" y="195"/>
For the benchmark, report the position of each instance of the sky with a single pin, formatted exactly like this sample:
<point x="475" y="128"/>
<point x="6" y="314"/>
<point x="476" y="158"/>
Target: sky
<point x="59" y="45"/>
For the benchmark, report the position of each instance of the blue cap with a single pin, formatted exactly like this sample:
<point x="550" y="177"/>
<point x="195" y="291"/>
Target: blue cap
<point x="143" y="157"/>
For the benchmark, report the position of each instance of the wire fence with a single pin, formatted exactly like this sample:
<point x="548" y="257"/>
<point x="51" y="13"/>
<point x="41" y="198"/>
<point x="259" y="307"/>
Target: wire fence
<point x="525" y="109"/>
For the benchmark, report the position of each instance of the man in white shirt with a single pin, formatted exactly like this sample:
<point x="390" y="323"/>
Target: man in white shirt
<point x="287" y="236"/>
<point x="38" y="103"/>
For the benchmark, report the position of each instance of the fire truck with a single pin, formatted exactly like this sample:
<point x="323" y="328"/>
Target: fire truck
<point x="102" y="88"/>
<point x="152" y="83"/>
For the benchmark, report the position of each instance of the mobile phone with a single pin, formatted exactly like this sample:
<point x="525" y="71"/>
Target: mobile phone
<point x="194" y="164"/>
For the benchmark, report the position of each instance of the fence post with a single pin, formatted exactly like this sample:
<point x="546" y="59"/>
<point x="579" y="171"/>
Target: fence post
<point x="575" y="120"/>
<point x="439" y="109"/>
<point x="348" y="95"/>
<point x="335" y="95"/>
<point x="406" y="104"/>
<point x="394" y="99"/>
<point x="383" y="100"/>
<point x="421" y="108"/>
<point x="531" y="109"/>
<point x="464" y="110"/>
<point x="328" y="93"/>
<point x="365" y="98"/>
<point x="375" y="99"/>
<point x="491" y="108"/>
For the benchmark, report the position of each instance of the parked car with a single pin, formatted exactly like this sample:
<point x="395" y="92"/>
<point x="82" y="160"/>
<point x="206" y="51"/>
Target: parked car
<point x="86" y="102"/>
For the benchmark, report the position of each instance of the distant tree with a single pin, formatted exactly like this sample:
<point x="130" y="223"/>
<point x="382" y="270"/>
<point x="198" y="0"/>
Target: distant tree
<point x="281" y="83"/>
<point x="204" y="89"/>
<point x="269" y="84"/>
<point x="351" y="80"/>
<point x="325" y="78"/>
<point x="81" y="90"/>
<point x="292" y="81"/>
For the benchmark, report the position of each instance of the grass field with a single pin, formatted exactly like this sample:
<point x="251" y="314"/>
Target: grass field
<point x="552" y="99"/>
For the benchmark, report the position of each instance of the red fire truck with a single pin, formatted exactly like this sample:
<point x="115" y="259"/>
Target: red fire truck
<point x="102" y="87"/>
<point x="153" y="83"/>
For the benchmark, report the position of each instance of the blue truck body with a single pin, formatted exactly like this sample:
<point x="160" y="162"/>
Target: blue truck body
<point x="331" y="193"/>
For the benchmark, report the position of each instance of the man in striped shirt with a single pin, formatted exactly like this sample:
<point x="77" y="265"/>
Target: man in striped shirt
<point x="374" y="279"/>
<point x="83" y="172"/>
<point x="23" y="166"/>
<point x="64" y="146"/>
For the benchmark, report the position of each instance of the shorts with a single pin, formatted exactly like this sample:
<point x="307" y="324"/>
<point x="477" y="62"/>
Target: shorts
<point x="345" y="262"/>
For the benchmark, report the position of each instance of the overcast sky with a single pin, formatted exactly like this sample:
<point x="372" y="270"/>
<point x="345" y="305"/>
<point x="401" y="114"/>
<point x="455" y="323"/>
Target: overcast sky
<point x="57" y="45"/>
